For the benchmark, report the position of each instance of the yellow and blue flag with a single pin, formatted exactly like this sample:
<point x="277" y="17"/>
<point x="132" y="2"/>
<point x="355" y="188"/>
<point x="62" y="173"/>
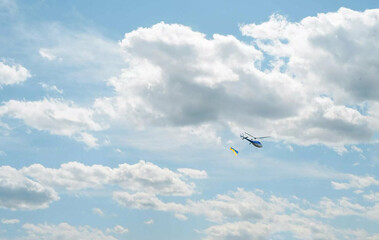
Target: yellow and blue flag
<point x="234" y="151"/>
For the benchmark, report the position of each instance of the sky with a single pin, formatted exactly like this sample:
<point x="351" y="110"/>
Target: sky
<point x="117" y="118"/>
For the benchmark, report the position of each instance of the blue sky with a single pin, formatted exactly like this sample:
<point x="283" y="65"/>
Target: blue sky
<point x="116" y="120"/>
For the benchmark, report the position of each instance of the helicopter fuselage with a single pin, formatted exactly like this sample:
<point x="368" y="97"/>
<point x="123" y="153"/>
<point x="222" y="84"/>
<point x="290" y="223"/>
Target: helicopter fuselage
<point x="256" y="143"/>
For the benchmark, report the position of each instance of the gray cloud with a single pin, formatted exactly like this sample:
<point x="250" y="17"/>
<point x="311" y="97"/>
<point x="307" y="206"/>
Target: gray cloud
<point x="177" y="78"/>
<point x="33" y="187"/>
<point x="18" y="192"/>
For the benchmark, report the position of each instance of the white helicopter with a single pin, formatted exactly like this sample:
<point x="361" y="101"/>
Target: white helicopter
<point x="252" y="140"/>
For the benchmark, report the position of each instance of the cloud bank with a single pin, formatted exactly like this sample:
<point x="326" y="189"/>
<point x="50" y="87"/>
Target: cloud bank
<point x="310" y="92"/>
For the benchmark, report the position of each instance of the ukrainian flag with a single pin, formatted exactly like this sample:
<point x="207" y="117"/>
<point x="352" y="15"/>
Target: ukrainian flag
<point x="234" y="151"/>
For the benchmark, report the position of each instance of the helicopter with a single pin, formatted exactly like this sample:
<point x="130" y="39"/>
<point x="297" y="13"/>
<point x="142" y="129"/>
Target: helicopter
<point x="252" y="140"/>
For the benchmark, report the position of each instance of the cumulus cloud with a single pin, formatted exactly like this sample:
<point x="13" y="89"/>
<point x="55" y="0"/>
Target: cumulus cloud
<point x="335" y="50"/>
<point x="151" y="178"/>
<point x="63" y="231"/>
<point x="176" y="77"/>
<point x="179" y="77"/>
<point x="319" y="74"/>
<point x="55" y="116"/>
<point x="18" y="192"/>
<point x="331" y="55"/>
<point x="142" y="176"/>
<point x="239" y="204"/>
<point x="12" y="74"/>
<point x="245" y="215"/>
<point x="35" y="186"/>
<point x="144" y="200"/>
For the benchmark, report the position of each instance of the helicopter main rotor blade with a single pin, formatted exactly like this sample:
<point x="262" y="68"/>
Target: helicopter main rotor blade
<point x="263" y="137"/>
<point x="250" y="135"/>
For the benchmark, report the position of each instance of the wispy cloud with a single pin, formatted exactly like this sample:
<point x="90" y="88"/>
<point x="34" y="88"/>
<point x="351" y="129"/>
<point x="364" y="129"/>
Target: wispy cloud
<point x="355" y="182"/>
<point x="9" y="221"/>
<point x="63" y="231"/>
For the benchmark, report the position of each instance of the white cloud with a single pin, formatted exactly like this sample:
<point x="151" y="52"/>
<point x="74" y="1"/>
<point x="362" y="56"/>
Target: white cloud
<point x="142" y="176"/>
<point x="282" y="227"/>
<point x="12" y="74"/>
<point x="373" y="212"/>
<point x="145" y="176"/>
<point x="358" y="191"/>
<point x="98" y="211"/>
<point x="319" y="51"/>
<point x="51" y="88"/>
<point x="181" y="216"/>
<point x="149" y="222"/>
<point x="18" y="192"/>
<point x="224" y="78"/>
<point x="167" y="63"/>
<point x="33" y="187"/>
<point x="9" y="221"/>
<point x="245" y="215"/>
<point x="206" y="132"/>
<point x="143" y="200"/>
<point x="373" y="197"/>
<point x="70" y="176"/>
<point x="239" y="204"/>
<point x="328" y="208"/>
<point x="88" y="139"/>
<point x="324" y="122"/>
<point x="355" y="182"/>
<point x="46" y="53"/>
<point x="118" y="229"/>
<point x="335" y="51"/>
<point x="63" y="231"/>
<point x="238" y="231"/>
<point x="193" y="173"/>
<point x="166" y="68"/>
<point x="357" y="149"/>
<point x="55" y="116"/>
